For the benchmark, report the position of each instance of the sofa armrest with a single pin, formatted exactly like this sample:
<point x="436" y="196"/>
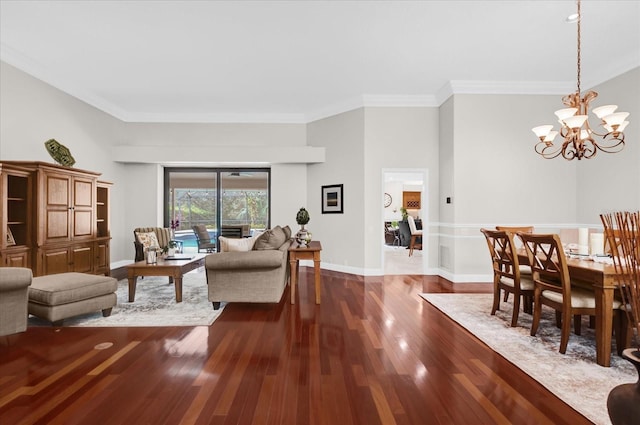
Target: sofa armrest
<point x="269" y="259"/>
<point x="13" y="278"/>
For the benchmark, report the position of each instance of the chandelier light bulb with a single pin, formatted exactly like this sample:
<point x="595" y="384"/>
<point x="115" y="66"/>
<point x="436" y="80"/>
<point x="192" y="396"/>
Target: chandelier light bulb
<point x="603" y="111"/>
<point x="565" y="113"/>
<point x="616" y="119"/>
<point x="542" y="131"/>
<point x="575" y="121"/>
<point x="549" y="137"/>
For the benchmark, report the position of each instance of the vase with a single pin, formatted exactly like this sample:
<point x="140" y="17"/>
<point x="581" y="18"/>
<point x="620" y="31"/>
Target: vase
<point x="171" y="252"/>
<point x="301" y="236"/>
<point x="623" y="402"/>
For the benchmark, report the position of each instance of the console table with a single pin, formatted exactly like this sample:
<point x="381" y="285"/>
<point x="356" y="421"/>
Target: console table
<point x="311" y="252"/>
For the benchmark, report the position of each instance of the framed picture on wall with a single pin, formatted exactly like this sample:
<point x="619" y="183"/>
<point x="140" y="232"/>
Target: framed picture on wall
<point x="332" y="199"/>
<point x="10" y="240"/>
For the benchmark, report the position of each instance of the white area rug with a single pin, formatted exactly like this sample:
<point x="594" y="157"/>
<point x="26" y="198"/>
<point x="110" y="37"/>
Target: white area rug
<point x="574" y="377"/>
<point x="154" y="305"/>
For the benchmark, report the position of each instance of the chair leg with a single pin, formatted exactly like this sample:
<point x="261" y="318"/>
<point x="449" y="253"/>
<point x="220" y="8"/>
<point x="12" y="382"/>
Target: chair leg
<point x="506" y="296"/>
<point x="566" y="330"/>
<point x="537" y="312"/>
<point x="528" y="304"/>
<point x="496" y="299"/>
<point x="577" y="324"/>
<point x="516" y="310"/>
<point x="411" y="244"/>
<point x="558" y="319"/>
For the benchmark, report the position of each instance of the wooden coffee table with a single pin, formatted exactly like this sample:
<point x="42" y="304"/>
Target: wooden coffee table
<point x="173" y="269"/>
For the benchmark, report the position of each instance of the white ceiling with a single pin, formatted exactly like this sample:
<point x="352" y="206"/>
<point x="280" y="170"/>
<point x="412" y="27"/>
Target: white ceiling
<point x="295" y="61"/>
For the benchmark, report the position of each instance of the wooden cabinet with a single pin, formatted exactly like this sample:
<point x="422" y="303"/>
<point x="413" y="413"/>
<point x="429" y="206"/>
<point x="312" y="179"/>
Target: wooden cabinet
<point x="16" y="218"/>
<point x="103" y="229"/>
<point x="411" y="200"/>
<point x="66" y="213"/>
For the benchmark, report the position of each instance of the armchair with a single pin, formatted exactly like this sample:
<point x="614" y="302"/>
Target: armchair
<point x="162" y="235"/>
<point x="14" y="299"/>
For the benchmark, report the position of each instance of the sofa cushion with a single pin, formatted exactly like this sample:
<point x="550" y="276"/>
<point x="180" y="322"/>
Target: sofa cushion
<point x="237" y="244"/>
<point x="270" y="239"/>
<point x="148" y="239"/>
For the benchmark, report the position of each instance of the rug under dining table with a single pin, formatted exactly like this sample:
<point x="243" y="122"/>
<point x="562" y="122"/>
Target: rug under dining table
<point x="574" y="377"/>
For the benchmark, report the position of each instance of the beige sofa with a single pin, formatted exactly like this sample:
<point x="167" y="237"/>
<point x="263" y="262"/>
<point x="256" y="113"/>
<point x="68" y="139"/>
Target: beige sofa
<point x="255" y="270"/>
<point x="14" y="298"/>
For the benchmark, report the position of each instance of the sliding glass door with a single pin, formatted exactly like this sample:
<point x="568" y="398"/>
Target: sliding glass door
<point x="230" y="202"/>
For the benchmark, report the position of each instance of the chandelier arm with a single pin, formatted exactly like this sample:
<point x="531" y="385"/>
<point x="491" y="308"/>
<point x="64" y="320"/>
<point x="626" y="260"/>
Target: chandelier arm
<point x="612" y="148"/>
<point x="547" y="150"/>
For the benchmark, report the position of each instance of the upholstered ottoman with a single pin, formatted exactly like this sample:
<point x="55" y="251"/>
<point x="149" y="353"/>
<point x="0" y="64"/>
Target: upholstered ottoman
<point x="59" y="296"/>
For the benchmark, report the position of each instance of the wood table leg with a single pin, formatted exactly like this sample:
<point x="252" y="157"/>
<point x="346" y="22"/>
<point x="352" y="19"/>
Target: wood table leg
<point x="316" y="272"/>
<point x="132" y="288"/>
<point x="293" y="278"/>
<point x="178" y="283"/>
<point x="604" y="324"/>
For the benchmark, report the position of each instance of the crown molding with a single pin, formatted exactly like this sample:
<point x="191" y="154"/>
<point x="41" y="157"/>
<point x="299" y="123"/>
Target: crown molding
<point x="39" y="71"/>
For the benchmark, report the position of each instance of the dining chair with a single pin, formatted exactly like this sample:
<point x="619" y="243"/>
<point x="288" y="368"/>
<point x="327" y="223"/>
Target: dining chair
<point x="506" y="273"/>
<point x="524" y="268"/>
<point x="553" y="286"/>
<point x="622" y="242"/>
<point x="391" y="235"/>
<point x="415" y="234"/>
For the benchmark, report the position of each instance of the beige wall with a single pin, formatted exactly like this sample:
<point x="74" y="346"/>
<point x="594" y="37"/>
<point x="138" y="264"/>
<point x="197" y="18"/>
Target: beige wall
<point x="342" y="235"/>
<point x="478" y="149"/>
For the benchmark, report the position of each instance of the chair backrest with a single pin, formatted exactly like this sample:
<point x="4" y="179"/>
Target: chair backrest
<point x="504" y="255"/>
<point x="548" y="263"/>
<point x="163" y="234"/>
<point x="201" y="232"/>
<point x="516" y="229"/>
<point x="412" y="224"/>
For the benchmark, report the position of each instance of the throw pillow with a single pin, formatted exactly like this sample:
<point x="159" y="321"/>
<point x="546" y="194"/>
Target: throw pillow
<point x="287" y="232"/>
<point x="270" y="239"/>
<point x="237" y="245"/>
<point x="148" y="239"/>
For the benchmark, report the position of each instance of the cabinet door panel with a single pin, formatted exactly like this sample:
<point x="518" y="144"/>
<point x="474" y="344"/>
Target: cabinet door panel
<point x="57" y="224"/>
<point x="82" y="259"/>
<point x="58" y="191"/>
<point x="15" y="259"/>
<point x="55" y="261"/>
<point x="83" y="224"/>
<point x="102" y="258"/>
<point x="83" y="193"/>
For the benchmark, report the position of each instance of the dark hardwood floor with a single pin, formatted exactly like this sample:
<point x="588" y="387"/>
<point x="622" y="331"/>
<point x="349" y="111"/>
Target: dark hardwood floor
<point x="372" y="353"/>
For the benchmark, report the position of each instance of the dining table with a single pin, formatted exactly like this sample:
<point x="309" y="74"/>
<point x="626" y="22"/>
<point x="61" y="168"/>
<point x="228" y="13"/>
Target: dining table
<point x="601" y="278"/>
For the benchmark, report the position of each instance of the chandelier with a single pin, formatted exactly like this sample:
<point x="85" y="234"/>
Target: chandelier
<point x="580" y="139"/>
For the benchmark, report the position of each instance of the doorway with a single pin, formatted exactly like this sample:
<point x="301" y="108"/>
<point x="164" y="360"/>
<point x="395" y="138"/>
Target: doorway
<point x="403" y="190"/>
